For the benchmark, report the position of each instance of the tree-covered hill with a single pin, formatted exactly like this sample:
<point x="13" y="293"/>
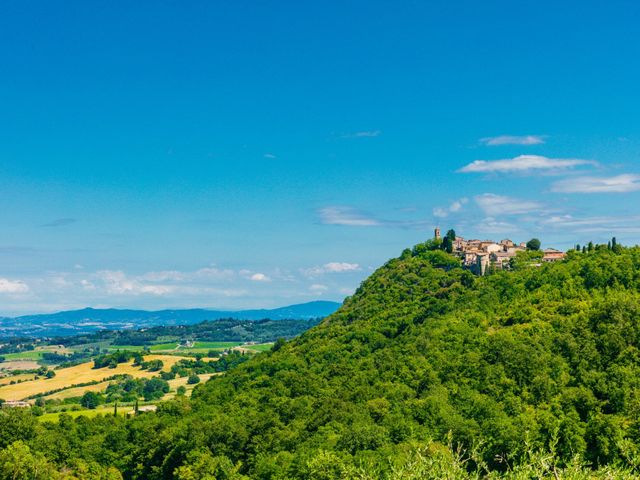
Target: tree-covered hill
<point x="425" y="372"/>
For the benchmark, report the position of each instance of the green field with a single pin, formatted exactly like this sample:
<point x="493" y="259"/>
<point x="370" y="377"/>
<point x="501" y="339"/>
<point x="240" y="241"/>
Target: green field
<point x="261" y="347"/>
<point x="164" y="346"/>
<point x="55" y="416"/>
<point x="28" y="355"/>
<point x="113" y="348"/>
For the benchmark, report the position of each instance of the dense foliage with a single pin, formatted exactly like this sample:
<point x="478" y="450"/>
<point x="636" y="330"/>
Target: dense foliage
<point x="426" y="372"/>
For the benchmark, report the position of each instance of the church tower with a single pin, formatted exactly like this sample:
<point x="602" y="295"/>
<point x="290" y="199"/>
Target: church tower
<point x="437" y="233"/>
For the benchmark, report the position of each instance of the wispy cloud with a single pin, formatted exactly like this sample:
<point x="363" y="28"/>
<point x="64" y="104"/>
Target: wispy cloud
<point x="361" y="134"/>
<point x="454" y="207"/>
<point x="60" y="222"/>
<point x="491" y="225"/>
<point x="524" y="164"/>
<point x="349" y="216"/>
<point x="352" y="217"/>
<point x="118" y="283"/>
<point x="318" y="288"/>
<point x="496" y="205"/>
<point x="331" y="267"/>
<point x="614" y="224"/>
<point x="513" y="140"/>
<point x="269" y="155"/>
<point x="617" y="184"/>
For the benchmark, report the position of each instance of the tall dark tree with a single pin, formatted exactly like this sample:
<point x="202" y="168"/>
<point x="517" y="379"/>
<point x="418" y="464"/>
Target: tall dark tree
<point x="590" y="247"/>
<point x="450" y="237"/>
<point x="447" y="245"/>
<point x="614" y="244"/>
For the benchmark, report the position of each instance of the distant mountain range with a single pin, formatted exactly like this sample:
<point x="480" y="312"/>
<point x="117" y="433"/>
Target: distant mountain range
<point x="87" y="320"/>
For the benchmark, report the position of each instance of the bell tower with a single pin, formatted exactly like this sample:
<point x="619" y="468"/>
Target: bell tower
<point x="436" y="233"/>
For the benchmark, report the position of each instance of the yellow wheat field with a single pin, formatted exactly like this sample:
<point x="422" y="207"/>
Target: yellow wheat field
<point x="82" y="373"/>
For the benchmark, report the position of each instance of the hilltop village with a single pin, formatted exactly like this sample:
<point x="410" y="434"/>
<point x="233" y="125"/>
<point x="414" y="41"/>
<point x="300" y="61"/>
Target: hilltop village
<point x="480" y="255"/>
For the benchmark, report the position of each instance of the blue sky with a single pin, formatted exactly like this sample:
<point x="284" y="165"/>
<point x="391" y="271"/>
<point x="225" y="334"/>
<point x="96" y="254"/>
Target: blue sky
<point x="256" y="154"/>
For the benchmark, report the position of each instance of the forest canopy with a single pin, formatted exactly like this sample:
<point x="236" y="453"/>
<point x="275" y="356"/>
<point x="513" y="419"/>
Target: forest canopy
<point x="425" y="367"/>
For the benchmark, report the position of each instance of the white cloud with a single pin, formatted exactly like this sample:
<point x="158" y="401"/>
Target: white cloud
<point x="608" y="224"/>
<point x="348" y="216"/>
<point x="331" y="267"/>
<point x="269" y="155"/>
<point x="260" y="277"/>
<point x="617" y="184"/>
<point x="496" y="205"/>
<point x="164" y="275"/>
<point x="363" y="133"/>
<point x="513" y="140"/>
<point x="13" y="286"/>
<point x="116" y="282"/>
<point x="456" y="206"/>
<point x="337" y="267"/>
<point x="523" y="164"/>
<point x="491" y="225"/>
<point x="213" y="273"/>
<point x="318" y="288"/>
<point x="352" y="217"/>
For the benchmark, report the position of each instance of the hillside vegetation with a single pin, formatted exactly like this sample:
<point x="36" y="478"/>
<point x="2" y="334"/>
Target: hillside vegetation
<point x="426" y="372"/>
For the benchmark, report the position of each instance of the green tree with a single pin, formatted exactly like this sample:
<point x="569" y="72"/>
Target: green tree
<point x="17" y="462"/>
<point x="90" y="400"/>
<point x="533" y="244"/>
<point x="193" y="379"/>
<point x="278" y="344"/>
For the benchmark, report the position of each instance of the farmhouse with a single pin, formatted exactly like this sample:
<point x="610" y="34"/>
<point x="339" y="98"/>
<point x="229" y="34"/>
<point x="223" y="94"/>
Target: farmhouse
<point x="552" y="255"/>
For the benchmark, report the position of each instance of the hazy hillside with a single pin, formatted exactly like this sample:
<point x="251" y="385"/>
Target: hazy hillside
<point x="89" y="320"/>
<point x="541" y="359"/>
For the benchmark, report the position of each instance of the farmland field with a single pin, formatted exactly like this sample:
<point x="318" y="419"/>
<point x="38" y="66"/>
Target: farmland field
<point x="78" y="391"/>
<point x="35" y="354"/>
<point x="197" y="346"/>
<point x="19" y="365"/>
<point x="105" y="410"/>
<point x="79" y="374"/>
<point x="261" y="347"/>
<point x="16" y="378"/>
<point x="28" y="355"/>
